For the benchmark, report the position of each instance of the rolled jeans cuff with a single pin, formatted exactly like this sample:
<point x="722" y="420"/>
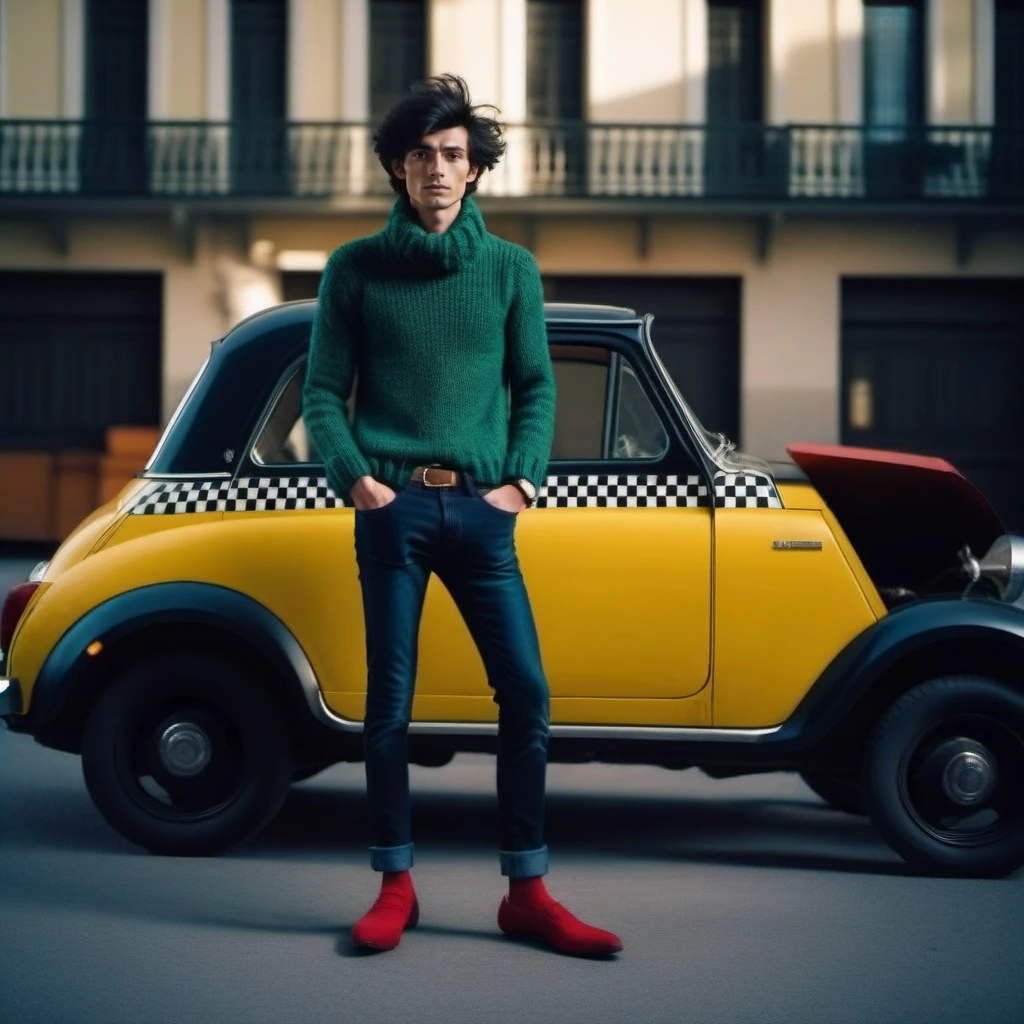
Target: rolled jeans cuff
<point x="524" y="863"/>
<point x="391" y="858"/>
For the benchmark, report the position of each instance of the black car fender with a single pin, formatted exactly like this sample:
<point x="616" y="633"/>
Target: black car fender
<point x="146" y="619"/>
<point x="915" y="642"/>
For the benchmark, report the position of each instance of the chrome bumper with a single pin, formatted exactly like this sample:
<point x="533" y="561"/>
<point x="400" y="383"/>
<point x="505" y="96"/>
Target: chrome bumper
<point x="10" y="696"/>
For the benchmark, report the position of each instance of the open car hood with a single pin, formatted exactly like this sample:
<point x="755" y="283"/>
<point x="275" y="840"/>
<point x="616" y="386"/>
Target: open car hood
<point x="906" y="515"/>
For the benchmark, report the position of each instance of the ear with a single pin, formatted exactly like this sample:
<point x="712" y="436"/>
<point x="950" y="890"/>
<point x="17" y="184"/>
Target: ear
<point x="398" y="167"/>
<point x="474" y="173"/>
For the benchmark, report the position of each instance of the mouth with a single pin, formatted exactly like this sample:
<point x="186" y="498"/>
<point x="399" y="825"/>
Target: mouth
<point x="436" y="188"/>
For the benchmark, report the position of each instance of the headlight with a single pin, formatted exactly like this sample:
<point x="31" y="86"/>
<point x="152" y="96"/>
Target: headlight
<point x="1003" y="564"/>
<point x="37" y="574"/>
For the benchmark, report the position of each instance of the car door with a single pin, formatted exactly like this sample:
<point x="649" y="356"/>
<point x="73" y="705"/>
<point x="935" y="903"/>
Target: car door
<point x="616" y="557"/>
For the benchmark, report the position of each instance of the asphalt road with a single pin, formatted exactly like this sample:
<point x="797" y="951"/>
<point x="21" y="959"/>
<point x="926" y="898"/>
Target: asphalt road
<point x="737" y="900"/>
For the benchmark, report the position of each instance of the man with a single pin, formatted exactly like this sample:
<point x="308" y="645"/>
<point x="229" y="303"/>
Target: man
<point x="442" y="320"/>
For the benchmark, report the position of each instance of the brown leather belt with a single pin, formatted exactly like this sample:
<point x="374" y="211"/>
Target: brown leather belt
<point x="435" y="476"/>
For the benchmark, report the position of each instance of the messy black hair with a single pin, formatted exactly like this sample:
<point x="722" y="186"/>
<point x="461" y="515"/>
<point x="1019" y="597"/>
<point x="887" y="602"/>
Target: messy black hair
<point x="438" y="102"/>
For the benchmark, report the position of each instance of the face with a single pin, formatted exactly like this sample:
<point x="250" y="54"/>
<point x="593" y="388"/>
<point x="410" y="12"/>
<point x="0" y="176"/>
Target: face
<point x="436" y="172"/>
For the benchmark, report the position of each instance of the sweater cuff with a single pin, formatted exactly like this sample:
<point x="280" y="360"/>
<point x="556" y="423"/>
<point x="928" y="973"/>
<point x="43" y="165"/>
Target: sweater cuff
<point x="519" y="464"/>
<point x="342" y="473"/>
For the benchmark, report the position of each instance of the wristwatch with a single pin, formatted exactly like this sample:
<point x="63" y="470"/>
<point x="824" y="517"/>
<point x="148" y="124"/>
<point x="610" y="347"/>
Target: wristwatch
<point x="529" y="491"/>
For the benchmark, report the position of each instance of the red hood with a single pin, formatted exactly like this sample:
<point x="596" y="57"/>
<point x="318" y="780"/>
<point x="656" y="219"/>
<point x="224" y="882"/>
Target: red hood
<point x="907" y="515"/>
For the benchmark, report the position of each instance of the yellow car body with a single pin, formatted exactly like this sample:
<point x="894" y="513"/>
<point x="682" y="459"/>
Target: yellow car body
<point x="695" y="605"/>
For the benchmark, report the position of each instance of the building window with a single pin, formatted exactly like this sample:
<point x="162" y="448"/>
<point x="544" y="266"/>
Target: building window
<point x="1009" y="63"/>
<point x="554" y="65"/>
<point x="735" y="84"/>
<point x="258" y="105"/>
<point x="893" y="64"/>
<point x="112" y="151"/>
<point x="397" y="51"/>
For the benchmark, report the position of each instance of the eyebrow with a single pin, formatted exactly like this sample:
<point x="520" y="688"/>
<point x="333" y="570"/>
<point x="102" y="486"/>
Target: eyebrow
<point x="451" y="146"/>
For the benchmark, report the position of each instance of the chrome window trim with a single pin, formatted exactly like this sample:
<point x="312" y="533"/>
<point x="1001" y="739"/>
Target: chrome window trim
<point x="213" y="475"/>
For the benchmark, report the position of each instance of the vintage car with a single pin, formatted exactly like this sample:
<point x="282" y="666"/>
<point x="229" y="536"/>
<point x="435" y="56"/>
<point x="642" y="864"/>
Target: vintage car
<point x="855" y="615"/>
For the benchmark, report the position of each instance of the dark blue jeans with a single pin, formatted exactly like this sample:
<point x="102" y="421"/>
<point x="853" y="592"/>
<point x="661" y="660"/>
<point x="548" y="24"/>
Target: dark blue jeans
<point x="469" y="544"/>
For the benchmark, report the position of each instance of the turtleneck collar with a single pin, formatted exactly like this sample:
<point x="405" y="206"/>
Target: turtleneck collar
<point x="442" y="252"/>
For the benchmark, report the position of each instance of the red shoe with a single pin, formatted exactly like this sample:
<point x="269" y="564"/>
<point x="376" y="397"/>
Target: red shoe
<point x="382" y="925"/>
<point x="559" y="926"/>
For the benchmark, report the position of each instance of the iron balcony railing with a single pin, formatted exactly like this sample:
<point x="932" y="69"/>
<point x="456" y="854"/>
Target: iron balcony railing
<point x="317" y="160"/>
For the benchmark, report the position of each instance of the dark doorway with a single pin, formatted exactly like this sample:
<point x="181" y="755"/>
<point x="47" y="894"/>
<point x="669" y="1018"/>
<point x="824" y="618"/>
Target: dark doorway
<point x="696" y="332"/>
<point x="79" y="352"/>
<point x="299" y="284"/>
<point x="934" y="367"/>
<point x="259" y="143"/>
<point x="112" y="155"/>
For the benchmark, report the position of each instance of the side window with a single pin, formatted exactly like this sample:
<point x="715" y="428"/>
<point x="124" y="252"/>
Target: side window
<point x="283" y="439"/>
<point x="602" y="413"/>
<point x="602" y="409"/>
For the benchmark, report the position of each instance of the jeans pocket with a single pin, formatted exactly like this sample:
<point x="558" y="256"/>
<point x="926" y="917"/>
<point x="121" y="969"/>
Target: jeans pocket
<point x="387" y="505"/>
<point x="493" y="507"/>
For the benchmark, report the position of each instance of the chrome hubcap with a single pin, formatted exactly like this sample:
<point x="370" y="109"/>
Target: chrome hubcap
<point x="185" y="749"/>
<point x="969" y="777"/>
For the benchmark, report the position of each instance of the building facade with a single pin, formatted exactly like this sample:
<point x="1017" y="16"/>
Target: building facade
<point x="820" y="200"/>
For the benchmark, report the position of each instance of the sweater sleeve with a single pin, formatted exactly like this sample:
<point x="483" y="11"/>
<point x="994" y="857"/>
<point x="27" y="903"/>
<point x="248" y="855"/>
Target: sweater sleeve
<point x="531" y="377"/>
<point x="330" y="368"/>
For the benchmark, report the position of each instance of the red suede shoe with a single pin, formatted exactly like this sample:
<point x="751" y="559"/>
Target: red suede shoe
<point x="552" y="921"/>
<point x="394" y="910"/>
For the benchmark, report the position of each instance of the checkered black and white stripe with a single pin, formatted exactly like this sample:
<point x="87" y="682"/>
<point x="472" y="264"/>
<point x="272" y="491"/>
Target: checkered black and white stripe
<point x="625" y="491"/>
<point x="745" y="490"/>
<point x="259" y="494"/>
<point x="247" y="494"/>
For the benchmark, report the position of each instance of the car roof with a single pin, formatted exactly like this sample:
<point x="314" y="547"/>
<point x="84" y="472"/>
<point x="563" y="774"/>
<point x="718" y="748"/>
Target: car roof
<point x="301" y="311"/>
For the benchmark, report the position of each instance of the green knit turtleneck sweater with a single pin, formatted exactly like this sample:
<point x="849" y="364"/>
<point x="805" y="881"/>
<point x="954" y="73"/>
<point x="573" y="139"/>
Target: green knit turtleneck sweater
<point x="446" y="333"/>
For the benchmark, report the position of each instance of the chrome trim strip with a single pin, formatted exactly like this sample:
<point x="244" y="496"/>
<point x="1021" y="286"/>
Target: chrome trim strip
<point x="221" y="474"/>
<point x="631" y="322"/>
<point x="659" y="733"/>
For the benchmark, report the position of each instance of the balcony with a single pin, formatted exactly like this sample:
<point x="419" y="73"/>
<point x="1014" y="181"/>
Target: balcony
<point x="560" y="165"/>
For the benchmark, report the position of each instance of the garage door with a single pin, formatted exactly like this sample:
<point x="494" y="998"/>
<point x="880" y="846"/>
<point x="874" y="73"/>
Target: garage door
<point x="936" y="366"/>
<point x="78" y="353"/>
<point x="696" y="332"/>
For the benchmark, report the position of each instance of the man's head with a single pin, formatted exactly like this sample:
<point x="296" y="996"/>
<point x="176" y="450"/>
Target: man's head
<point x="435" y="136"/>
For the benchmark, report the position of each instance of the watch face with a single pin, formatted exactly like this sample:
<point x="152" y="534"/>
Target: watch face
<point x="528" y="487"/>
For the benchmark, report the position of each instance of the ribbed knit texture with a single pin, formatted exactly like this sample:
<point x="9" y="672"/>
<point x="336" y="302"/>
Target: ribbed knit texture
<point x="446" y="333"/>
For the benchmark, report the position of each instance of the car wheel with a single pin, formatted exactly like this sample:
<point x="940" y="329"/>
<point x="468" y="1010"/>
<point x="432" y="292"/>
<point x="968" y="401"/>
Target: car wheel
<point x="186" y="754"/>
<point x="944" y="777"/>
<point x="839" y="791"/>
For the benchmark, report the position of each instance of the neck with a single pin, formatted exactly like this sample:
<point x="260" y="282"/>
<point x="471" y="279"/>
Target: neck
<point x="436" y="221"/>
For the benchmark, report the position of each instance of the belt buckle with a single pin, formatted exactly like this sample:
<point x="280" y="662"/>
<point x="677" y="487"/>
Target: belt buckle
<point x="449" y="483"/>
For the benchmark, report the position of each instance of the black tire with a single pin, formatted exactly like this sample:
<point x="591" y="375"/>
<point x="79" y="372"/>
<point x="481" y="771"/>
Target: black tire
<point x="839" y="791"/>
<point x="220" y="710"/>
<point x="943" y="777"/>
